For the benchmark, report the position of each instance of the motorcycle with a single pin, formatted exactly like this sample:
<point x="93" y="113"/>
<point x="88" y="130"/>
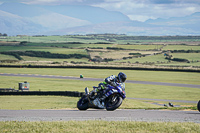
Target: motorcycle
<point x="112" y="98"/>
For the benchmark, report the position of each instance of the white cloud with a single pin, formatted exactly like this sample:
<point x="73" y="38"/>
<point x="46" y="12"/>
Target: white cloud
<point x="140" y="10"/>
<point x="61" y="2"/>
<point x="51" y="2"/>
<point x="141" y="18"/>
<point x="150" y="9"/>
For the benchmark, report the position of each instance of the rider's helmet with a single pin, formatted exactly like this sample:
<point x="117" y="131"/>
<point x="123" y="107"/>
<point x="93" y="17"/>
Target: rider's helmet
<point x="122" y="77"/>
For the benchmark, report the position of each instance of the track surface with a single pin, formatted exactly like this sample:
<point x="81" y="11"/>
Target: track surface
<point x="92" y="114"/>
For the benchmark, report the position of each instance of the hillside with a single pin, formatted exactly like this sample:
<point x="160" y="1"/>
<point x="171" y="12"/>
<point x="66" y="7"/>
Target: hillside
<point x="18" y="18"/>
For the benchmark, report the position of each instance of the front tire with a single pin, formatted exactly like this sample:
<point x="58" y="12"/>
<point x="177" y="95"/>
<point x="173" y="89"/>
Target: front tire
<point x="113" y="102"/>
<point x="198" y="105"/>
<point x="82" y="104"/>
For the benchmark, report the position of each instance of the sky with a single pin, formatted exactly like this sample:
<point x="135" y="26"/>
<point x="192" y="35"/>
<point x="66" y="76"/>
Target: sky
<point x="140" y="10"/>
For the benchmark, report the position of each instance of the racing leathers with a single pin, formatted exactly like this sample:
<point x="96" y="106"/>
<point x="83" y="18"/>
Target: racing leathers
<point x="111" y="80"/>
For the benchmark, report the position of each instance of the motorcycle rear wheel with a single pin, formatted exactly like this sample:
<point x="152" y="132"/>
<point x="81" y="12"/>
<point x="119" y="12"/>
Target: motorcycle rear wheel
<point x="113" y="102"/>
<point x="82" y="104"/>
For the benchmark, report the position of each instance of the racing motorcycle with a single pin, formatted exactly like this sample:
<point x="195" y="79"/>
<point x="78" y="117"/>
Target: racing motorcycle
<point x="112" y="98"/>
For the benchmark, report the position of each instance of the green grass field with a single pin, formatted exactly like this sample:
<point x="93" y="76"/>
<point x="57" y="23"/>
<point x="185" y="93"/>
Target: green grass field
<point x="77" y="44"/>
<point x="140" y="47"/>
<point x="154" y="76"/>
<point x="70" y="45"/>
<point x="181" y="47"/>
<point x="120" y="43"/>
<point x="132" y="90"/>
<point x="46" y="49"/>
<point x="61" y="102"/>
<point x="7" y="57"/>
<point x="99" y="127"/>
<point x="65" y="45"/>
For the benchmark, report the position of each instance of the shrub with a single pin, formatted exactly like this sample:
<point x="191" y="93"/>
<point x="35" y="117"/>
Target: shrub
<point x="180" y="60"/>
<point x="135" y="54"/>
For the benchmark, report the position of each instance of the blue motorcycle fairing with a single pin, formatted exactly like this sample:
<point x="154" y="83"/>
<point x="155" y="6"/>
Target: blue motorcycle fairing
<point x="117" y="89"/>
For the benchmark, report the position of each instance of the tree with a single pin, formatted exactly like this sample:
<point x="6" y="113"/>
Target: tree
<point x="5" y="34"/>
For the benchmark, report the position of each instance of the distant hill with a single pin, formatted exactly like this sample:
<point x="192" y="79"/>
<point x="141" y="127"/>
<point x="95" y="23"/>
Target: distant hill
<point x="18" y="18"/>
<point x="13" y="25"/>
<point x="190" y="22"/>
<point x="92" y="14"/>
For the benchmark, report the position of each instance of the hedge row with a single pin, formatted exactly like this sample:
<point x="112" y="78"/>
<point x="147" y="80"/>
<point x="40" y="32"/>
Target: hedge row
<point x="43" y="54"/>
<point x="106" y="67"/>
<point x="183" y="51"/>
<point x="45" y="93"/>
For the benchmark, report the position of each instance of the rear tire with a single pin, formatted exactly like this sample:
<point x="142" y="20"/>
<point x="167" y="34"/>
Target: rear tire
<point x="113" y="102"/>
<point x="82" y="104"/>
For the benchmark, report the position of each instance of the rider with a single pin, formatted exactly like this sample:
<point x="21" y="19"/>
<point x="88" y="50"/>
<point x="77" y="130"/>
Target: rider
<point x="111" y="80"/>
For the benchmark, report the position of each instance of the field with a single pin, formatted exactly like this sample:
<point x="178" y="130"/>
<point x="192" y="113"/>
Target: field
<point x="132" y="90"/>
<point x="102" y="50"/>
<point x="99" y="127"/>
<point x="115" y="50"/>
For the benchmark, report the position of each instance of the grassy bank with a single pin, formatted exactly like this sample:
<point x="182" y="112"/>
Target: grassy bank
<point x="154" y="76"/>
<point x="59" y="102"/>
<point x="132" y="90"/>
<point x="98" y="126"/>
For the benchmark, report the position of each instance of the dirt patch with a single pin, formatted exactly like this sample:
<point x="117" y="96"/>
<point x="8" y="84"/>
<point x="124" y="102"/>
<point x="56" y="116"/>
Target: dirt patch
<point x="9" y="43"/>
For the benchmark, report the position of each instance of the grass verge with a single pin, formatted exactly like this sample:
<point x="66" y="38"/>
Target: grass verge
<point x="61" y="102"/>
<point x="154" y="76"/>
<point x="132" y="90"/>
<point x="37" y="102"/>
<point x="98" y="126"/>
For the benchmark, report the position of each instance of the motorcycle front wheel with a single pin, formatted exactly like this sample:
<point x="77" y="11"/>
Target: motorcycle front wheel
<point x="198" y="105"/>
<point x="113" y="102"/>
<point x="82" y="104"/>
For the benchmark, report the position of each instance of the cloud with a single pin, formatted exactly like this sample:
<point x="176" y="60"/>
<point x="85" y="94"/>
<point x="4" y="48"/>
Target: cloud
<point x="61" y="2"/>
<point x="140" y="10"/>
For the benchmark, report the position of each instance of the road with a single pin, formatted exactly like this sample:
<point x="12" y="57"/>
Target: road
<point x="92" y="114"/>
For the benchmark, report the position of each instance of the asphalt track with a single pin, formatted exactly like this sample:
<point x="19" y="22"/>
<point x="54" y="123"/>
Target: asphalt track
<point x="92" y="114"/>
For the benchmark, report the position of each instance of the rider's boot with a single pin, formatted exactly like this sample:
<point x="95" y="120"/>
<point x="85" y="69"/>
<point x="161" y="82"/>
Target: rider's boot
<point x="92" y="93"/>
